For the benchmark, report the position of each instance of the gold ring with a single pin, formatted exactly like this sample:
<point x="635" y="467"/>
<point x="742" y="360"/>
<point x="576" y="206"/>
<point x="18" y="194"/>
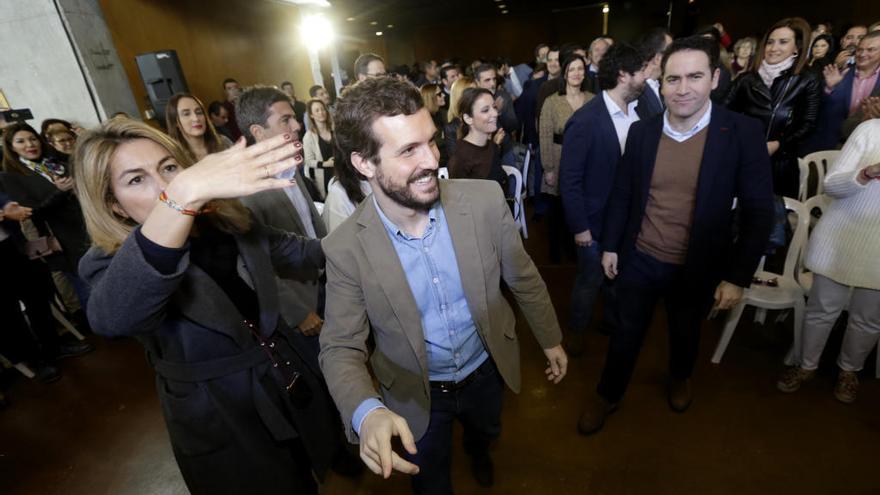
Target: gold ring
<point x="266" y="167"/>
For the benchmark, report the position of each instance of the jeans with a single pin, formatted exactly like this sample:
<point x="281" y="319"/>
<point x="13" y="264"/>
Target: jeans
<point x="643" y="280"/>
<point x="589" y="281"/>
<point x="477" y="406"/>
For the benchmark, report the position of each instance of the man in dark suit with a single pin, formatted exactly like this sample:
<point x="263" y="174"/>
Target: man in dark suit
<point x="653" y="44"/>
<point x="417" y="270"/>
<point x="264" y="112"/>
<point x="844" y="92"/>
<point x="597" y="50"/>
<point x="668" y="223"/>
<point x="592" y="144"/>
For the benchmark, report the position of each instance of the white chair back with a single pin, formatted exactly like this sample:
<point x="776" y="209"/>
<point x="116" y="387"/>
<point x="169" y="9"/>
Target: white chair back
<point x="822" y="162"/>
<point x="443" y="173"/>
<point x="799" y="236"/>
<point x="518" y="212"/>
<point x="820" y="202"/>
<point x="528" y="183"/>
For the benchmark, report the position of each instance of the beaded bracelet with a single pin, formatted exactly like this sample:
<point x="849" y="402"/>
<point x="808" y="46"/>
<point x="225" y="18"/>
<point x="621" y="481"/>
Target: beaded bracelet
<point x="177" y="207"/>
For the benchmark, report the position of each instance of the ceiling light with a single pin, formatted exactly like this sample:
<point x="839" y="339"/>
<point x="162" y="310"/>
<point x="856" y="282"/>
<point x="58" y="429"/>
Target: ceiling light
<point x="390" y="26"/>
<point x="378" y="33"/>
<point x="605" y="9"/>
<point x="350" y="19"/>
<point x="504" y="11"/>
<point x="316" y="30"/>
<point x="502" y="6"/>
<point x="373" y="23"/>
<point x="317" y="3"/>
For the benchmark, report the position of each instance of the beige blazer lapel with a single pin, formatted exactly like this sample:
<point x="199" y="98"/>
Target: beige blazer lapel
<point x="463" y="230"/>
<point x="389" y="274"/>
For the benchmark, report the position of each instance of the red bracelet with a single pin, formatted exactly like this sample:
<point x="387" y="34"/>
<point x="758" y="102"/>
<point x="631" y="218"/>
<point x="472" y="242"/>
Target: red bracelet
<point x="177" y="207"/>
<point x="868" y="177"/>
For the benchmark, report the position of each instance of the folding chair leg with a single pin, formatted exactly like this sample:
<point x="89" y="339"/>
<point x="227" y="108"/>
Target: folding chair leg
<point x="729" y="328"/>
<point x="66" y="323"/>
<point x="21" y="367"/>
<point x="877" y="366"/>
<point x="794" y="354"/>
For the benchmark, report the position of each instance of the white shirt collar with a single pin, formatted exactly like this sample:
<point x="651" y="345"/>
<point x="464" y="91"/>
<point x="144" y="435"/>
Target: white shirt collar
<point x="684" y="136"/>
<point x="615" y="110"/>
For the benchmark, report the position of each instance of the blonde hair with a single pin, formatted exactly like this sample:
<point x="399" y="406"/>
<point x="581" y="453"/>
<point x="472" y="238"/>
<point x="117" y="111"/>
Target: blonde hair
<point x="458" y="87"/>
<point x="92" y="173"/>
<point x="429" y="97"/>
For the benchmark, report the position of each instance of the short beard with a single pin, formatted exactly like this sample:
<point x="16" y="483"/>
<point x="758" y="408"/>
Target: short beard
<point x="403" y="196"/>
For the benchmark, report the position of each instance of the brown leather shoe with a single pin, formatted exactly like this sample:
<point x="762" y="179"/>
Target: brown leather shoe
<point x="680" y="396"/>
<point x="595" y="412"/>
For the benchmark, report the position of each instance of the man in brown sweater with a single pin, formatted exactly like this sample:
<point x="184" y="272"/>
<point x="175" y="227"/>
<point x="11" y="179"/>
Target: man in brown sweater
<point x="669" y="220"/>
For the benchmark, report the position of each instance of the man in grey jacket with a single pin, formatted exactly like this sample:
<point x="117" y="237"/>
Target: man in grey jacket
<point x="263" y="112"/>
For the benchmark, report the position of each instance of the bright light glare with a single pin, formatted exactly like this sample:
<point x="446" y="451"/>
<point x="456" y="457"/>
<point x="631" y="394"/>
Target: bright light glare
<point x="605" y="9"/>
<point x="316" y="31"/>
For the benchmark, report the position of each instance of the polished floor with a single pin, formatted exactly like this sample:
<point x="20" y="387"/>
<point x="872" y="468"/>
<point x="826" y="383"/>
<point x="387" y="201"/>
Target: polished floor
<point x="99" y="429"/>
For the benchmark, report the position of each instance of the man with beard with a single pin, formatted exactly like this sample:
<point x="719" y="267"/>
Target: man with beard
<point x="417" y="269"/>
<point x="593" y="142"/>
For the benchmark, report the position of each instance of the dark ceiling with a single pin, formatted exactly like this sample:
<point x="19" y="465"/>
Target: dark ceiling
<point x="410" y="14"/>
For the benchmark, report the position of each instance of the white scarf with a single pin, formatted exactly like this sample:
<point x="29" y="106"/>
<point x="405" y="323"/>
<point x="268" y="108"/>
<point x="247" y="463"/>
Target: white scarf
<point x="769" y="72"/>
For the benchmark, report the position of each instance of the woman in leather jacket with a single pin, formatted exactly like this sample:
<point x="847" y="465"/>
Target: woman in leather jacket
<point x="781" y="93"/>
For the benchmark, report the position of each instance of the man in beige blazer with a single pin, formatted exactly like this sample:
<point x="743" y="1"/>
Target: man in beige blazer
<point x="418" y="266"/>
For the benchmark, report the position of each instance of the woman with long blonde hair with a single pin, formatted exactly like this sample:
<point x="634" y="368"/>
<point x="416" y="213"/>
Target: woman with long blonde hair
<point x="179" y="264"/>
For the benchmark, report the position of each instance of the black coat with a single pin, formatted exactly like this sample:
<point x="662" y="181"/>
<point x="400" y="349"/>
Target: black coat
<point x="735" y="165"/>
<point x="54" y="210"/>
<point x="789" y="110"/>
<point x="230" y="423"/>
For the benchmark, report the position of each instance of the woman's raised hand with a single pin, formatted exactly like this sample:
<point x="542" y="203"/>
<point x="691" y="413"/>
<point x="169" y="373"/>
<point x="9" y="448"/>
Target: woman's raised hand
<point x="238" y="171"/>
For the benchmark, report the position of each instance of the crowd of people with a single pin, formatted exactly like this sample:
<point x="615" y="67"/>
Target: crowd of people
<point x="280" y="245"/>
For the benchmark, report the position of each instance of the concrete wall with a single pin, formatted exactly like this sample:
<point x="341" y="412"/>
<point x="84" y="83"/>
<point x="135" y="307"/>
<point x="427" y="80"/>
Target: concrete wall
<point x="39" y="66"/>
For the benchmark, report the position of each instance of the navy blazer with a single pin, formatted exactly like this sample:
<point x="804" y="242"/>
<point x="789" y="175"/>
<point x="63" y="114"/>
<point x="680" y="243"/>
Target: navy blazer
<point x="590" y="152"/>
<point x="735" y="165"/>
<point x="649" y="103"/>
<point x="832" y="114"/>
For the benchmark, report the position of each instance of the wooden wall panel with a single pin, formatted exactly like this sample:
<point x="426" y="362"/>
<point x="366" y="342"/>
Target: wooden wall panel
<point x="252" y="41"/>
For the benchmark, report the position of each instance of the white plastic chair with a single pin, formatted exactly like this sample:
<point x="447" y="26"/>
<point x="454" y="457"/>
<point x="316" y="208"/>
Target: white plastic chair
<point x="527" y="183"/>
<point x="822" y="161"/>
<point x="320" y="207"/>
<point x="443" y="173"/>
<point x="804" y="276"/>
<point x="518" y="212"/>
<point x="787" y="294"/>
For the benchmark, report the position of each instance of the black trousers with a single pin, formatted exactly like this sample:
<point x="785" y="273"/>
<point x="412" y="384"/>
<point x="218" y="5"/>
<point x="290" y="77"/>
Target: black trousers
<point x="642" y="282"/>
<point x="29" y="282"/>
<point x="477" y="406"/>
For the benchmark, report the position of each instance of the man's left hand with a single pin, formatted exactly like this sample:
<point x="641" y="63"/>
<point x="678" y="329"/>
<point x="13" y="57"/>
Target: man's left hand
<point x="557" y="364"/>
<point x="727" y="295"/>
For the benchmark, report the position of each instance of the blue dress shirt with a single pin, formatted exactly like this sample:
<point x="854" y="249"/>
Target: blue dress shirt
<point x="454" y="347"/>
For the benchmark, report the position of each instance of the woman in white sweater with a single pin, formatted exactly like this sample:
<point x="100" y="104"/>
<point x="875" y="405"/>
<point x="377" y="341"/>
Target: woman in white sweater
<point x="318" y="145"/>
<point x="844" y="255"/>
